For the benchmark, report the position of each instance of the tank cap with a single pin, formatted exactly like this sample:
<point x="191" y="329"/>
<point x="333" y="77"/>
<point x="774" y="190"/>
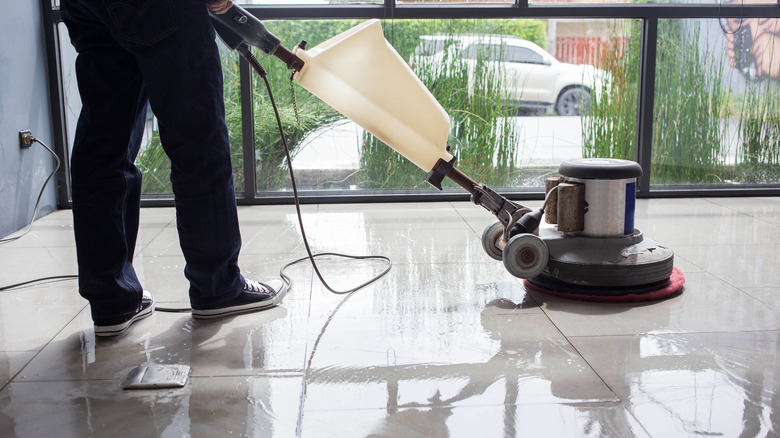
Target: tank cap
<point x="600" y="168"/>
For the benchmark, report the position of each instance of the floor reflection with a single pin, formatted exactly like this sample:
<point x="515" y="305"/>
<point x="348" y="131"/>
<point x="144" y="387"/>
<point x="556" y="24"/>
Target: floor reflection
<point x="522" y="370"/>
<point x="448" y="344"/>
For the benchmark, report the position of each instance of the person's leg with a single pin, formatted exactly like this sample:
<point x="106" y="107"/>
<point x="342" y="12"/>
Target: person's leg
<point x="183" y="75"/>
<point x="106" y="184"/>
<point x="173" y="43"/>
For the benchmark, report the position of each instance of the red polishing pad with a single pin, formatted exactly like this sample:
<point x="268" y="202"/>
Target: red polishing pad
<point x="671" y="287"/>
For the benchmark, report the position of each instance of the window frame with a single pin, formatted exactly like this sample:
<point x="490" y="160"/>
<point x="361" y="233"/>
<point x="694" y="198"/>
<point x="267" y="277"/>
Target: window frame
<point x="649" y="14"/>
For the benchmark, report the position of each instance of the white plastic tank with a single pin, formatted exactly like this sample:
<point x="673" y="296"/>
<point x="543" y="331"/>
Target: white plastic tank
<point x="362" y="76"/>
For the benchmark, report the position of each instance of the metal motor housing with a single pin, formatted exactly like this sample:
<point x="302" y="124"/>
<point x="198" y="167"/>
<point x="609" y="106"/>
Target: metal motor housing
<point x="593" y="245"/>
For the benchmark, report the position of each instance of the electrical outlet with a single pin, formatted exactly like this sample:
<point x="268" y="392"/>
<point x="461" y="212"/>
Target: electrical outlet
<point x="25" y="139"/>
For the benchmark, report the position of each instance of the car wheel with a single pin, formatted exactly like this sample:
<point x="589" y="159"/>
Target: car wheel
<point x="573" y="102"/>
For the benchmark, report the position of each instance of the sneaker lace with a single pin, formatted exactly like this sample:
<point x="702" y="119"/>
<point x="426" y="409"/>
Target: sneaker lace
<point x="256" y="286"/>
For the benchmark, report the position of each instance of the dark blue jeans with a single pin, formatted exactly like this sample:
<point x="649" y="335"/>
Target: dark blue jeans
<point x="159" y="52"/>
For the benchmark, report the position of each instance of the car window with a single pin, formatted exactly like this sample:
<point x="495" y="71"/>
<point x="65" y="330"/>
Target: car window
<point x="490" y="52"/>
<point x="524" y="55"/>
<point x="429" y="47"/>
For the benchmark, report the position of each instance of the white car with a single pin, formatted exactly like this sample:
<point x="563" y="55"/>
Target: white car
<point x="532" y="78"/>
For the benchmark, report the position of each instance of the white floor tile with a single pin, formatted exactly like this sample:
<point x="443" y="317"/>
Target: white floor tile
<point x="710" y="384"/>
<point x="447" y="344"/>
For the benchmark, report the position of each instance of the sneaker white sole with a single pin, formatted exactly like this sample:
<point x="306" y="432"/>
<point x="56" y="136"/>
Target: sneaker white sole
<point x="109" y="331"/>
<point x="244" y="308"/>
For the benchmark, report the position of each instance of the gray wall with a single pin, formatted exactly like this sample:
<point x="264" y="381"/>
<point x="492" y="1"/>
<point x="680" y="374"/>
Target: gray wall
<point x="24" y="104"/>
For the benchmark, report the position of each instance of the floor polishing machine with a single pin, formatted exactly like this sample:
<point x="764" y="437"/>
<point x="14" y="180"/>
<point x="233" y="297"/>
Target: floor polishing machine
<point x="581" y="244"/>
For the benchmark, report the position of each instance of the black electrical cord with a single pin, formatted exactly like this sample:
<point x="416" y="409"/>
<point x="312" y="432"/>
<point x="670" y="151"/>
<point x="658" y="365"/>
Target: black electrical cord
<point x="38" y="280"/>
<point x="250" y="58"/>
<point x="32" y="219"/>
<point x="311" y="257"/>
<point x="40" y="194"/>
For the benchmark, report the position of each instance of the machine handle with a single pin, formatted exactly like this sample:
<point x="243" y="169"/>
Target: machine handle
<point x="239" y="29"/>
<point x="237" y="26"/>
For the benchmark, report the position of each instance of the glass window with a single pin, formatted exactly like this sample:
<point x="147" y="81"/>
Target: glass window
<point x="429" y="46"/>
<point x="717" y="117"/>
<point x="609" y="129"/>
<point x="311" y="127"/>
<point x="523" y="54"/>
<point x="512" y="123"/>
<point x="488" y="52"/>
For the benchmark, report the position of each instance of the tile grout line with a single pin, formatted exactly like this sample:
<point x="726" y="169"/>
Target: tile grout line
<point x="566" y="337"/>
<point x="740" y="212"/>
<point x="12" y="379"/>
<point x="306" y="362"/>
<point x="628" y="411"/>
<point x="139" y="252"/>
<point x="674" y="333"/>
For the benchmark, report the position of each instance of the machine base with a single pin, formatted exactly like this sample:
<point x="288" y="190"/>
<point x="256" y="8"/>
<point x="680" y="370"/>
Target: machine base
<point x="608" y="294"/>
<point x="620" y="263"/>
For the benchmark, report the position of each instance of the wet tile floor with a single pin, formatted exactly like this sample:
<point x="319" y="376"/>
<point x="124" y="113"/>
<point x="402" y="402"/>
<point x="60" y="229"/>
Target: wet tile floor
<point x="448" y="344"/>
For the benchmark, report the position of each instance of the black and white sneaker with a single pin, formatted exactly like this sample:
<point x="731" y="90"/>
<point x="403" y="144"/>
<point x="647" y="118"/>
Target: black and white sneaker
<point x="254" y="296"/>
<point x="145" y="309"/>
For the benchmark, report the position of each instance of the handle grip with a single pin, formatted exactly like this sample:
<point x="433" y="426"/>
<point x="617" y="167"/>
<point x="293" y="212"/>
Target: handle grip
<point x="237" y="26"/>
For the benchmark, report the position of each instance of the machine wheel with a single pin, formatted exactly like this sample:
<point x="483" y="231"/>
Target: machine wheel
<point x="525" y="256"/>
<point x="490" y="238"/>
